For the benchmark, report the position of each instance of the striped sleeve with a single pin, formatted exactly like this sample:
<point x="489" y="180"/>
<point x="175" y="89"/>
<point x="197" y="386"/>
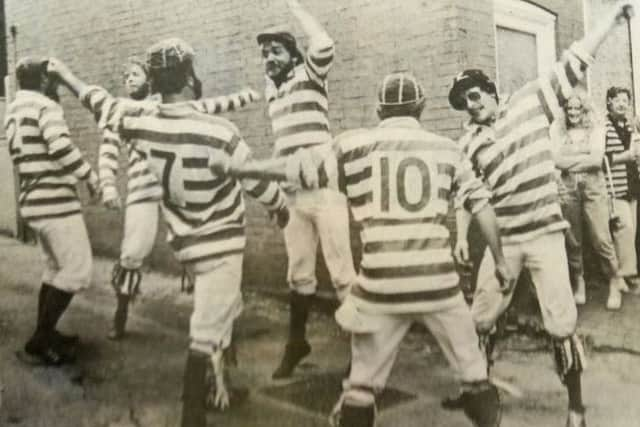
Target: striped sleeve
<point x="266" y="192"/>
<point x="471" y="193"/>
<point x="100" y="102"/>
<point x="108" y="158"/>
<point x="557" y="86"/>
<point x="232" y="102"/>
<point x="56" y="134"/>
<point x="319" y="57"/>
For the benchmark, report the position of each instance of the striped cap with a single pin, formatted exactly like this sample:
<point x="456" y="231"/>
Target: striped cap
<point x="169" y="53"/>
<point x="400" y="89"/>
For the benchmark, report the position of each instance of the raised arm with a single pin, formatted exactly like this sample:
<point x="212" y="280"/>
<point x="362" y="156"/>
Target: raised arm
<point x="319" y="56"/>
<point x="224" y="103"/>
<point x="56" y="133"/>
<point x="559" y="83"/>
<point x="67" y="77"/>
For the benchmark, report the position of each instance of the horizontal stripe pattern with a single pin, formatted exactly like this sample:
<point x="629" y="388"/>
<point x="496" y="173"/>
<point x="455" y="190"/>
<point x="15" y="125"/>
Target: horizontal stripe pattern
<point x="619" y="172"/>
<point x="299" y="108"/>
<point x="398" y="180"/>
<point x="514" y="155"/>
<point x="48" y="163"/>
<point x="176" y="143"/>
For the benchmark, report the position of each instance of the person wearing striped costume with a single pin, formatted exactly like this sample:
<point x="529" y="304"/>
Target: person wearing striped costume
<point x="621" y="148"/>
<point x="296" y="93"/>
<point x="204" y="211"/>
<point x="143" y="189"/>
<point x="49" y="166"/>
<point x="399" y="180"/>
<point x="507" y="141"/>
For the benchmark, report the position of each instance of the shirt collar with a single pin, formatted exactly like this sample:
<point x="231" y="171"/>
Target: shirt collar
<point x="400" y="122"/>
<point x="26" y="93"/>
<point x="270" y="84"/>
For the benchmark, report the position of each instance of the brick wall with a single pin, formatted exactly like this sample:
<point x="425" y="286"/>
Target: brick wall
<point x="614" y="50"/>
<point x="435" y="39"/>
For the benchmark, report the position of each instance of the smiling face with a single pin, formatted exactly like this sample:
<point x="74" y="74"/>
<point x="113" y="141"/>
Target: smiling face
<point x="619" y="105"/>
<point x="276" y="59"/>
<point x="480" y="105"/>
<point x="574" y="111"/>
<point x="135" y="81"/>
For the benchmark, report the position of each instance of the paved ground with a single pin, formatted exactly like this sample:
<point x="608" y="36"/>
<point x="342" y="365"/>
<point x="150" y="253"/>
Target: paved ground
<point x="137" y="382"/>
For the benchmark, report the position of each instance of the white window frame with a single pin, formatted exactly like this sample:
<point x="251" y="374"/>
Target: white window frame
<point x="521" y="16"/>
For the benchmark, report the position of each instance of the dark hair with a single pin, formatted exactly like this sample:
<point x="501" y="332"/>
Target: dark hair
<point x="31" y="76"/>
<point x="466" y="80"/>
<point x="614" y="91"/>
<point x="172" y="80"/>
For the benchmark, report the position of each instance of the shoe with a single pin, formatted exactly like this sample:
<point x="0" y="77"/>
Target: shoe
<point x="453" y="403"/>
<point x="483" y="408"/>
<point x="580" y="295"/>
<point x="576" y="419"/>
<point x="293" y="354"/>
<point x="633" y="285"/>
<point x="48" y="354"/>
<point x="614" y="301"/>
<point x="357" y="416"/>
<point x="66" y="340"/>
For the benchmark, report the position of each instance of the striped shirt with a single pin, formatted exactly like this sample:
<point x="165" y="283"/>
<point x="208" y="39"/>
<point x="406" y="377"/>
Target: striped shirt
<point x="142" y="186"/>
<point x="619" y="172"/>
<point x="399" y="180"/>
<point x="48" y="163"/>
<point x="514" y="156"/>
<point x="299" y="108"/>
<point x="203" y="211"/>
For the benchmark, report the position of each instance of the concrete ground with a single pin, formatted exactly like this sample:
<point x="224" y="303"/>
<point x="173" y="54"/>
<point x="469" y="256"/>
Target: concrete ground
<point x="137" y="382"/>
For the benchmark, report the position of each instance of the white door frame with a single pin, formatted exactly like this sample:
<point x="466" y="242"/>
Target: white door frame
<point x="522" y="16"/>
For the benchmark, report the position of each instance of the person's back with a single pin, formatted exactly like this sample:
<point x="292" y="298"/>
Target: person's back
<point x="178" y="142"/>
<point x="47" y="185"/>
<point x="398" y="180"/>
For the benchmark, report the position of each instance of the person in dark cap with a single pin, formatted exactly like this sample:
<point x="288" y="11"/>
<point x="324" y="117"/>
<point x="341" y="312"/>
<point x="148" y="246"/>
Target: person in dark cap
<point x="49" y="165"/>
<point x="507" y="141"/>
<point x="407" y="272"/>
<point x="296" y="94"/>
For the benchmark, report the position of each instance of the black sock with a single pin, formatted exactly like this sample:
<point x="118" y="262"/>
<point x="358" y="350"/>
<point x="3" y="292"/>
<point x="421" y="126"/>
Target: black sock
<point x="56" y="303"/>
<point x="574" y="390"/>
<point x="194" y="390"/>
<point x="299" y="306"/>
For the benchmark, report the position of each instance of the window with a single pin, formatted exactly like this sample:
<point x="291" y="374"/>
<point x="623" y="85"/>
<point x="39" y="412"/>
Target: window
<point x="525" y="42"/>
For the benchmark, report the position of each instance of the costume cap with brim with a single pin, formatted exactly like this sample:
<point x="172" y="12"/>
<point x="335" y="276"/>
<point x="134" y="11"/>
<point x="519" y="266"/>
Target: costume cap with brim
<point x="465" y="81"/>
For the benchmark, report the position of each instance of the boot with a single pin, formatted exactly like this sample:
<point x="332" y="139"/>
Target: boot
<point x="483" y="407"/>
<point x="580" y="294"/>
<point x="120" y="318"/>
<point x="59" y="338"/>
<point x="614" y="301"/>
<point x="45" y="343"/>
<point x="297" y="347"/>
<point x="633" y="285"/>
<point x="194" y="390"/>
<point x="357" y="416"/>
